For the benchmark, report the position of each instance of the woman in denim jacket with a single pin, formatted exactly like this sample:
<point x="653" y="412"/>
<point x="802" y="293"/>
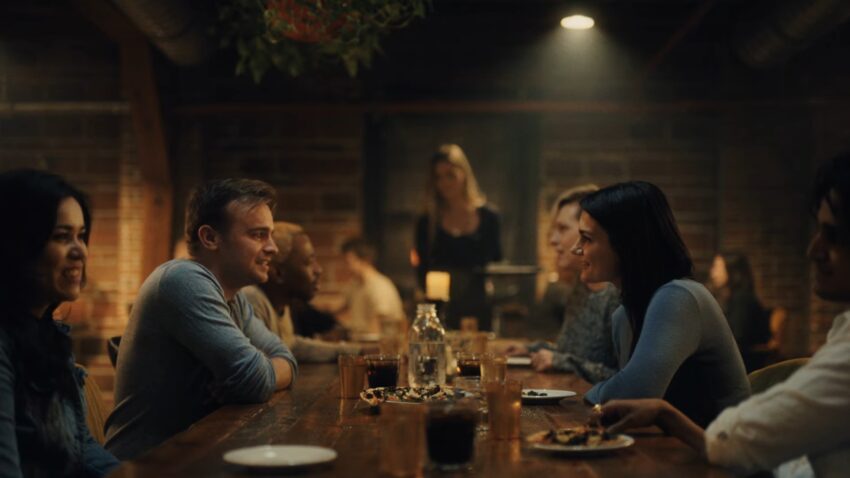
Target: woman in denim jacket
<point x="43" y="250"/>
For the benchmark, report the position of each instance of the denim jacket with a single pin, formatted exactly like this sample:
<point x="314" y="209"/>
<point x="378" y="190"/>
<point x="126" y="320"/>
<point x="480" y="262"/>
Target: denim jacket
<point x="31" y="445"/>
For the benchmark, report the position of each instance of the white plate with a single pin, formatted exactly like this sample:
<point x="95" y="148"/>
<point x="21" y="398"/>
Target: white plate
<point x="366" y="337"/>
<point x="519" y="361"/>
<point x="550" y="395"/>
<point x="280" y="456"/>
<point x="622" y="441"/>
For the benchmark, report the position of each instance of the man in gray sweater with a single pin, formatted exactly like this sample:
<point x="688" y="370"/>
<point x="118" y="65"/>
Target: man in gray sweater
<point x="193" y="342"/>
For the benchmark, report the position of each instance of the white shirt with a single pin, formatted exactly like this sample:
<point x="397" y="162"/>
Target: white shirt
<point x="372" y="300"/>
<point x="808" y="414"/>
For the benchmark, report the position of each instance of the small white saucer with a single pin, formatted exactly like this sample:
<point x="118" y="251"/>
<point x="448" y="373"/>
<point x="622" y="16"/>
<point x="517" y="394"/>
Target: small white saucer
<point x="519" y="361"/>
<point x="279" y="456"/>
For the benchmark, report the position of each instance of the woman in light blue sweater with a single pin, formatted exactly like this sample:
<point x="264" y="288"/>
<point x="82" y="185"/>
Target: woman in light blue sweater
<point x="670" y="336"/>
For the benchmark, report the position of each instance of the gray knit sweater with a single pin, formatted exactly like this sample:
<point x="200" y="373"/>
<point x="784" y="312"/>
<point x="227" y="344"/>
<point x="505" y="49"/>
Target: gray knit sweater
<point x="584" y="345"/>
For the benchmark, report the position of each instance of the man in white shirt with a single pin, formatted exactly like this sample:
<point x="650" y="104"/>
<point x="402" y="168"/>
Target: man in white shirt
<point x="800" y="427"/>
<point x="372" y="299"/>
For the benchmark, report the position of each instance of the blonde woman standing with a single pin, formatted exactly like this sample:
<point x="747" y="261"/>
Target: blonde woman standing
<point x="459" y="233"/>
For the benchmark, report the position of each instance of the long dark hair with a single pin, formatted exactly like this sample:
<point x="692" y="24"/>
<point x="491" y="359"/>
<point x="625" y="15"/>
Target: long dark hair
<point x="832" y="184"/>
<point x="29" y="203"/>
<point x="739" y="272"/>
<point x="643" y="233"/>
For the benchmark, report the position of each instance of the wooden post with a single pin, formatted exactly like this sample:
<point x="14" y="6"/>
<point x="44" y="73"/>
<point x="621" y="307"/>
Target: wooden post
<point x="139" y="86"/>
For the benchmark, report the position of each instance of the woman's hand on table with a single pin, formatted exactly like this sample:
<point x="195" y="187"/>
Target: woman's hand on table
<point x="542" y="361"/>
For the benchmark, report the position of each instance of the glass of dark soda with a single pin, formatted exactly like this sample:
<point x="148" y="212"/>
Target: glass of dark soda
<point x="382" y="370"/>
<point x="450" y="434"/>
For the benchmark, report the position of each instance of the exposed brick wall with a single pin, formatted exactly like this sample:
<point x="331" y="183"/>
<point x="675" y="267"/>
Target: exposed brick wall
<point x="313" y="160"/>
<point x="93" y="150"/>
<point x="765" y="158"/>
<point x="737" y="180"/>
<point x="676" y="152"/>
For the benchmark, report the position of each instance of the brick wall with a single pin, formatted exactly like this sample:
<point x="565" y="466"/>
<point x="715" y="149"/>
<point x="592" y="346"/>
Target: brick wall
<point x="736" y="180"/>
<point x="676" y="152"/>
<point x="312" y="159"/>
<point x="91" y="145"/>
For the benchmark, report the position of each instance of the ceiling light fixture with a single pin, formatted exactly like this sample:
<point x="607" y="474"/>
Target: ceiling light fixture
<point x="577" y="22"/>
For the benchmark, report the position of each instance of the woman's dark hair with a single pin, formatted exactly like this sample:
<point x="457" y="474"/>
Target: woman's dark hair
<point x="644" y="235"/>
<point x="739" y="271"/>
<point x="832" y="183"/>
<point x="29" y="203"/>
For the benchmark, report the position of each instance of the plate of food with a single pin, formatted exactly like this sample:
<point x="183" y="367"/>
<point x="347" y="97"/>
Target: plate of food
<point x="582" y="440"/>
<point x="539" y="396"/>
<point x="279" y="456"/>
<point x="519" y="361"/>
<point x="378" y="395"/>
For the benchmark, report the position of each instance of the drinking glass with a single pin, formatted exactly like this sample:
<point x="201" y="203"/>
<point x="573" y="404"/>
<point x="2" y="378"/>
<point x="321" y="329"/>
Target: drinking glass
<point x="494" y="368"/>
<point x="468" y="364"/>
<point x="401" y="446"/>
<point x="450" y="434"/>
<point x="504" y="407"/>
<point x="352" y="375"/>
<point x="382" y="370"/>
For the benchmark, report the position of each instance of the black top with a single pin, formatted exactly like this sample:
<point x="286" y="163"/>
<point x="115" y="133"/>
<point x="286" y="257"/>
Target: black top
<point x="464" y="257"/>
<point x="308" y="321"/>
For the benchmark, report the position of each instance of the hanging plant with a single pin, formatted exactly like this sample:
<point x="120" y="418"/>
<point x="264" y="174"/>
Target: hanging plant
<point x="293" y="35"/>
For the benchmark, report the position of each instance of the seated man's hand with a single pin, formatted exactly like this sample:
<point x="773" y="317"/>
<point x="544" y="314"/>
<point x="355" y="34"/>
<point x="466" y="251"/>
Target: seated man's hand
<point x="542" y="361"/>
<point x="621" y="415"/>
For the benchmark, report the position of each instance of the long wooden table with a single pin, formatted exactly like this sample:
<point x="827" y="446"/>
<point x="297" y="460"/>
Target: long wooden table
<point x="312" y="414"/>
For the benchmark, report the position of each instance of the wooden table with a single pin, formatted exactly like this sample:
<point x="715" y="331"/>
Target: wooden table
<point x="312" y="414"/>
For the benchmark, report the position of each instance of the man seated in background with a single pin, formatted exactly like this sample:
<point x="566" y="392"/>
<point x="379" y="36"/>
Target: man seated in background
<point x="371" y="300"/>
<point x="294" y="274"/>
<point x="584" y="344"/>
<point x="193" y="343"/>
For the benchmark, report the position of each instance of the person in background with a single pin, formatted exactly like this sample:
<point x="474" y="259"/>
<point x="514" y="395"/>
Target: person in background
<point x="458" y="233"/>
<point x="670" y="335"/>
<point x="294" y="273"/>
<point x="731" y="283"/>
<point x="584" y="344"/>
<point x="193" y="342"/>
<point x="799" y="426"/>
<point x="371" y="300"/>
<point x="43" y="249"/>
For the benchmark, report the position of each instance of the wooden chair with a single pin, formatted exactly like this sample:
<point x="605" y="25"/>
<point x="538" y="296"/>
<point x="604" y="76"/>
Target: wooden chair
<point x="95" y="410"/>
<point x="766" y="377"/>
<point x="112" y="349"/>
<point x="770" y="352"/>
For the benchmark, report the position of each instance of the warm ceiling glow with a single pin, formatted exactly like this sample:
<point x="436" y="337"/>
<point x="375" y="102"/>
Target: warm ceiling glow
<point x="577" y="22"/>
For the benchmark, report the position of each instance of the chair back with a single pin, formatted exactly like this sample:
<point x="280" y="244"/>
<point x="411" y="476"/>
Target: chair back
<point x="95" y="409"/>
<point x="112" y="349"/>
<point x="764" y="378"/>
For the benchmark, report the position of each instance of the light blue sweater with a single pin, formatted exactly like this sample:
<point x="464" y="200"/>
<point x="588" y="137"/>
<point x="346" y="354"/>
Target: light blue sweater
<point x="685" y="354"/>
<point x="186" y="351"/>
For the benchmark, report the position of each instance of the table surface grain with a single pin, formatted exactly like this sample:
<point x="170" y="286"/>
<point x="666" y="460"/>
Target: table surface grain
<point x="312" y="414"/>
